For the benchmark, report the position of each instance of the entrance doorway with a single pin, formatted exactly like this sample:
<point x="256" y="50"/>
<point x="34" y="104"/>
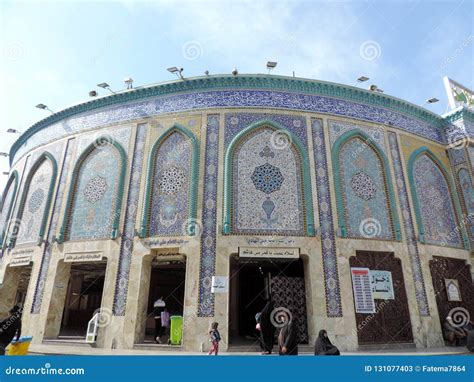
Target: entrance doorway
<point x="390" y="324"/>
<point x="252" y="282"/>
<point x="167" y="281"/>
<point x="14" y="288"/>
<point x="83" y="298"/>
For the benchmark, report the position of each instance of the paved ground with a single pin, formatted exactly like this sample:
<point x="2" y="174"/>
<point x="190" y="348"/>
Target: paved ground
<point x="49" y="349"/>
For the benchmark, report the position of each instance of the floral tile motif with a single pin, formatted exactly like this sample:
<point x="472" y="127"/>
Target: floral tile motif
<point x="56" y="208"/>
<point x="171" y="186"/>
<point x="364" y="193"/>
<point x="328" y="242"/>
<point x="209" y="216"/>
<point x="128" y="232"/>
<point x="337" y="128"/>
<point x="35" y="204"/>
<point x="435" y="202"/>
<point x="410" y="234"/>
<point x="228" y="99"/>
<point x="266" y="186"/>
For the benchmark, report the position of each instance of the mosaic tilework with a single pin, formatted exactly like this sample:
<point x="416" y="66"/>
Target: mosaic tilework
<point x="128" y="233"/>
<point x="337" y="128"/>
<point x="436" y="207"/>
<point x="171" y="186"/>
<point x="45" y="260"/>
<point x="93" y="208"/>
<point x="209" y="217"/>
<point x="410" y="234"/>
<point x="266" y="186"/>
<point x="33" y="211"/>
<point x="236" y="122"/>
<point x="6" y="207"/>
<point x="364" y="192"/>
<point x="328" y="242"/>
<point x="471" y="156"/>
<point x="457" y="156"/>
<point x="226" y="99"/>
<point x="467" y="191"/>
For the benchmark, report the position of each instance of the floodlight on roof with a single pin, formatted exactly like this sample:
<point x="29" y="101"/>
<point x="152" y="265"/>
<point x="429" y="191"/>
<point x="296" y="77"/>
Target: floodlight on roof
<point x="2" y="154"/>
<point x="363" y="79"/>
<point x="432" y="100"/>
<point x="13" y="131"/>
<point x="271" y="65"/>
<point x="105" y="85"/>
<point x="42" y="106"/>
<point x="175" y="70"/>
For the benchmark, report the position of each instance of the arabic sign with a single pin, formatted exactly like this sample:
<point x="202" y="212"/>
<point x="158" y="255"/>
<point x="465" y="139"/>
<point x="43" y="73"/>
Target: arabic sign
<point x="20" y="261"/>
<point x="452" y="289"/>
<point x="382" y="286"/>
<point x="82" y="257"/>
<point x="362" y="289"/>
<point x="274" y="253"/>
<point x="219" y="284"/>
<point x="458" y="95"/>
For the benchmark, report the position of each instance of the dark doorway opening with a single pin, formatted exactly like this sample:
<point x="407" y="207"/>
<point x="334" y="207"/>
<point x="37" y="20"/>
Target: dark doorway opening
<point x="83" y="298"/>
<point x="252" y="283"/>
<point x="167" y="281"/>
<point x="24" y="282"/>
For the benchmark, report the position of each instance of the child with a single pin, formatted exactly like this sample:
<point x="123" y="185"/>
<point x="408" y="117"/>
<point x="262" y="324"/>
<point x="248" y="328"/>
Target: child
<point x="215" y="338"/>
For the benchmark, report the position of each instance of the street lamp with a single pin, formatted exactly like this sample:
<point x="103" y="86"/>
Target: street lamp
<point x="42" y="106"/>
<point x="178" y="72"/>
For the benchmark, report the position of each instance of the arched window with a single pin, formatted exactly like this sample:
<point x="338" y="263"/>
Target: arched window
<point x="267" y="188"/>
<point x="436" y="210"/>
<point x="170" y="201"/>
<point x="35" y="202"/>
<point x="95" y="196"/>
<point x="364" y="193"/>
<point x="6" y="204"/>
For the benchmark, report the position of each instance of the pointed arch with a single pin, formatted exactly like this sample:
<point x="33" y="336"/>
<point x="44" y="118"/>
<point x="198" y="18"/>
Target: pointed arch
<point x="307" y="200"/>
<point x="454" y="201"/>
<point x="387" y="182"/>
<point x="6" y="206"/>
<point x="192" y="181"/>
<point x="101" y="142"/>
<point x="19" y="228"/>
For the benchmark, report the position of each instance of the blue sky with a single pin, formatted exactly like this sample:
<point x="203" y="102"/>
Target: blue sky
<point x="56" y="52"/>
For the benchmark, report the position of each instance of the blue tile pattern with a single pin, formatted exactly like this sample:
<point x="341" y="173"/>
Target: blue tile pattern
<point x="410" y="234"/>
<point x="209" y="217"/>
<point x="436" y="206"/>
<point x="171" y="185"/>
<point x="128" y="233"/>
<point x="328" y="242"/>
<point x="95" y="195"/>
<point x="467" y="192"/>
<point x="230" y="99"/>
<point x="364" y="193"/>
<point x="56" y="208"/>
<point x="338" y="128"/>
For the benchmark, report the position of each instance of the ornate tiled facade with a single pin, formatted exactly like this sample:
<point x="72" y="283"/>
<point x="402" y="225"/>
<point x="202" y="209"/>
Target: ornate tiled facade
<point x="436" y="206"/>
<point x="171" y="186"/>
<point x="208" y="172"/>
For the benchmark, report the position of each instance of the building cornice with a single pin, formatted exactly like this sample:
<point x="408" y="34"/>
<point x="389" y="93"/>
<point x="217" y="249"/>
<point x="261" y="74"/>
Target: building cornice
<point x="223" y="82"/>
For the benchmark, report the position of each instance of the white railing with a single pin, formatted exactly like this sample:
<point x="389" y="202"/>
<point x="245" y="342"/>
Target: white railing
<point x="92" y="328"/>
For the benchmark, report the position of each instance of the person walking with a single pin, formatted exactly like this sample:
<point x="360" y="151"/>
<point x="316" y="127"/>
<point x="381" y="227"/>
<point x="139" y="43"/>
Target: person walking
<point x="215" y="338"/>
<point x="158" y="307"/>
<point x="164" y="324"/>
<point x="267" y="330"/>
<point x="10" y="328"/>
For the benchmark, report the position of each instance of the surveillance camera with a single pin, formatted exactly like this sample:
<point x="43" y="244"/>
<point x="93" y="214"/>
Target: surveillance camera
<point x="92" y="93"/>
<point x="235" y="72"/>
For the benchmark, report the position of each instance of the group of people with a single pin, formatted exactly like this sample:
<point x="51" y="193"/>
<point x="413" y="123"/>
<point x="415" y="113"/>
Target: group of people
<point x="456" y="335"/>
<point x="288" y="338"/>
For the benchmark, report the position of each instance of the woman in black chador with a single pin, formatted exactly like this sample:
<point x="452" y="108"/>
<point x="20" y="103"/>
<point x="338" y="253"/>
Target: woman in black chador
<point x="267" y="330"/>
<point x="323" y="345"/>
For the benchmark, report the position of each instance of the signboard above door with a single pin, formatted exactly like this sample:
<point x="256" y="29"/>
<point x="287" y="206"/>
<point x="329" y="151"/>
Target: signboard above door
<point x="269" y="253"/>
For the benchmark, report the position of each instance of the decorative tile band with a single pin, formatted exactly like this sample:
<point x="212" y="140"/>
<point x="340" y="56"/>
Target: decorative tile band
<point x="48" y="245"/>
<point x="209" y="217"/>
<point x="128" y="233"/>
<point x="229" y="98"/>
<point x="420" y="290"/>
<point x="328" y="242"/>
